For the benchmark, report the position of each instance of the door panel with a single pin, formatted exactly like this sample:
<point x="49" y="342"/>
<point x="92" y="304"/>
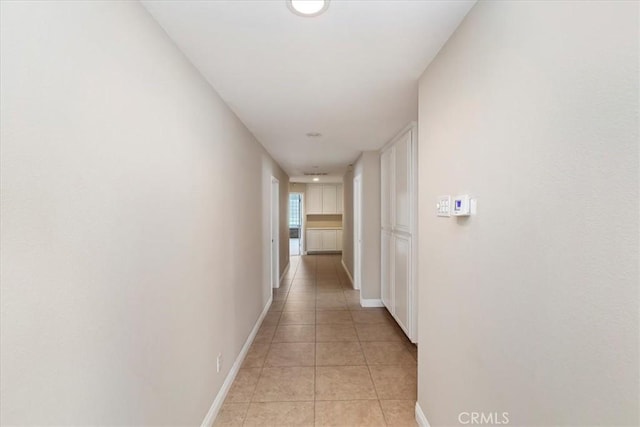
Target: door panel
<point x="339" y="198"/>
<point x="314" y="240"/>
<point x="402" y="184"/>
<point x="385" y="188"/>
<point x="329" y="240"/>
<point x="329" y="199"/>
<point x="339" y="240"/>
<point x="314" y="199"/>
<point x="401" y="279"/>
<point x="385" y="267"/>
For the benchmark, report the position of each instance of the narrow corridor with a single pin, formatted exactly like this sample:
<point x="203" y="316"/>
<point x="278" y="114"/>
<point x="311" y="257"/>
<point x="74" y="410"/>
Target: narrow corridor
<point x="321" y="359"/>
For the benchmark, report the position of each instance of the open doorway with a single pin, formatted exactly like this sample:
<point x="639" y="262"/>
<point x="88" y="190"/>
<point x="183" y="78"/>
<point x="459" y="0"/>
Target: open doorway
<point x="357" y="232"/>
<point x="275" y="233"/>
<point x="295" y="224"/>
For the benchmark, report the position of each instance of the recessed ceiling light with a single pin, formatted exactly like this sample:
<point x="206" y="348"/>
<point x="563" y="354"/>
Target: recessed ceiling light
<point x="313" y="134"/>
<point x="308" y="8"/>
<point x="316" y="179"/>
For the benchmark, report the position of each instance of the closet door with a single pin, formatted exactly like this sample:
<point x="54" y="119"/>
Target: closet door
<point x="385" y="270"/>
<point x="386" y="173"/>
<point x="402" y="280"/>
<point x="339" y="198"/>
<point x="402" y="184"/>
<point x="398" y="204"/>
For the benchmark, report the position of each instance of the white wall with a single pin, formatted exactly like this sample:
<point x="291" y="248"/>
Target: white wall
<point x="531" y="307"/>
<point x="128" y="259"/>
<point x="367" y="167"/>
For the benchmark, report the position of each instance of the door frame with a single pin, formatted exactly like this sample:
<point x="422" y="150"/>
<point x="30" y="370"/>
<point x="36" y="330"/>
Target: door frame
<point x="301" y="239"/>
<point x="275" y="233"/>
<point x="357" y="232"/>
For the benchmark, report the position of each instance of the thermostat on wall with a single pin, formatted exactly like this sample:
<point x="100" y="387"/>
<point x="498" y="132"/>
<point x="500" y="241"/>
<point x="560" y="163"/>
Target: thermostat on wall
<point x="462" y="205"/>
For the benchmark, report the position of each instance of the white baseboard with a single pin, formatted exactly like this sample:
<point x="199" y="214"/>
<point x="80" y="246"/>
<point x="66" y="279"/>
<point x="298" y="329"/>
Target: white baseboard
<point x="371" y="302"/>
<point x="346" y="270"/>
<point x="421" y="418"/>
<point x="286" y="269"/>
<point x="222" y="394"/>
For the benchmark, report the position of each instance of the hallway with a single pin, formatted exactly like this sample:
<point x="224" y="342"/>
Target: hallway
<point x="321" y="359"/>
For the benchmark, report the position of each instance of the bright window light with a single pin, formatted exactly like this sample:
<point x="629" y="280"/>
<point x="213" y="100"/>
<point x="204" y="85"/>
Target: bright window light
<point x="308" y="7"/>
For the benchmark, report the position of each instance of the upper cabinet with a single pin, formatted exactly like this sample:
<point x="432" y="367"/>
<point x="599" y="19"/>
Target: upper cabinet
<point x="314" y="199"/>
<point x="324" y="198"/>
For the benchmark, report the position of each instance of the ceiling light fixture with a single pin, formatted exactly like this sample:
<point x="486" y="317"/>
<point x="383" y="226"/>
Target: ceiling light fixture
<point x="316" y="179"/>
<point x="308" y="8"/>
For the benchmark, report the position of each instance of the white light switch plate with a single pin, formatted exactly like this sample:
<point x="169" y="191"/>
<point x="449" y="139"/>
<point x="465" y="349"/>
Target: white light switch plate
<point x="443" y="206"/>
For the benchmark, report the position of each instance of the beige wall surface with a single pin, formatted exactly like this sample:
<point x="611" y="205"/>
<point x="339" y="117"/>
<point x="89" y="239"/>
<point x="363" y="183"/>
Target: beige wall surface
<point x="367" y="167"/>
<point x="128" y="260"/>
<point x="297" y="187"/>
<point x="531" y="306"/>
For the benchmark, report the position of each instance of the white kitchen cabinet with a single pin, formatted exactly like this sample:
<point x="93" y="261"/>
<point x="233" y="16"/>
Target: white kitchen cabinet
<point x="314" y="199"/>
<point x="324" y="199"/>
<point x="329" y="199"/>
<point x="314" y="240"/>
<point x="329" y="241"/>
<point x="324" y="240"/>
<point x="398" y="175"/>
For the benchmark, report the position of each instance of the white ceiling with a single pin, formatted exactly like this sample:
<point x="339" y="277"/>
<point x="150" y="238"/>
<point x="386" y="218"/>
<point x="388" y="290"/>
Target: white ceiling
<point x="350" y="74"/>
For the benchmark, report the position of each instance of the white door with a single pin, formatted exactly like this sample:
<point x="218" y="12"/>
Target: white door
<point x="399" y="291"/>
<point x="401" y="279"/>
<point x="385" y="270"/>
<point x="386" y="175"/>
<point x="401" y="193"/>
<point x="275" y="230"/>
<point x="357" y="232"/>
<point x="340" y="198"/>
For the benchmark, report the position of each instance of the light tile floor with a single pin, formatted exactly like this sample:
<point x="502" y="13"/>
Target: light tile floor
<point x="321" y="359"/>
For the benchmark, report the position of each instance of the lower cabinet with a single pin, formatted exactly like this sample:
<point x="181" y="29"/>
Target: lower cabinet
<point x="324" y="240"/>
<point x="314" y="240"/>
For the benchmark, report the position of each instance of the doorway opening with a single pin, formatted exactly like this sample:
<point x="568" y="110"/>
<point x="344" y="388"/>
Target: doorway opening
<point x="295" y="224"/>
<point x="357" y="232"/>
<point x="275" y="239"/>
